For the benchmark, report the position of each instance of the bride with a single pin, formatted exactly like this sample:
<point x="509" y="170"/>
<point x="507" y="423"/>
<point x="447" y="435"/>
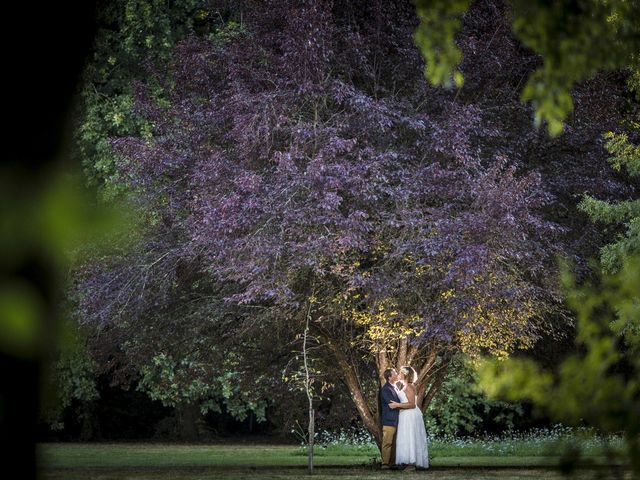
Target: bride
<point x="411" y="436"/>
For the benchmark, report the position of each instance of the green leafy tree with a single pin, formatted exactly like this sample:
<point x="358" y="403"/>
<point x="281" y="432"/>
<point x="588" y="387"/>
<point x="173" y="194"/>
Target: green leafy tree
<point x="186" y="381"/>
<point x="183" y="356"/>
<point x="72" y="379"/>
<point x="460" y="407"/>
<point x="131" y="34"/>
<point x="576" y="40"/>
<point x="190" y="385"/>
<point x="625" y="155"/>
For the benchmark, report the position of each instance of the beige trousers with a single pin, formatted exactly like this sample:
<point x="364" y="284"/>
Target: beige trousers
<point x="388" y="445"/>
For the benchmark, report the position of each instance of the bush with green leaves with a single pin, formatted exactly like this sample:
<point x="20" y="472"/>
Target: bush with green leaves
<point x="185" y="381"/>
<point x="460" y="408"/>
<point x="131" y="34"/>
<point x="71" y="377"/>
<point x="599" y="386"/>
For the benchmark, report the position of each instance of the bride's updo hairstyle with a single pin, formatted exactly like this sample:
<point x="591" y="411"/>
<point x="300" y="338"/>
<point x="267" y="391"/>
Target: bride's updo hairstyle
<point x="409" y="373"/>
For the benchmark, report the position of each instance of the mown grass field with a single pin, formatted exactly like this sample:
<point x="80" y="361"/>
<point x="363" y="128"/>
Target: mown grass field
<point x="239" y="461"/>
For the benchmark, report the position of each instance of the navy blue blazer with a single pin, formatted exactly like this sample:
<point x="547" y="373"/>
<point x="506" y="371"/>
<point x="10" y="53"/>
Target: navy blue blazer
<point x="388" y="416"/>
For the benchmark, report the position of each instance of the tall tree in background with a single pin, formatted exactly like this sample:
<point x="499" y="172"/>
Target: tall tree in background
<point x="302" y="139"/>
<point x="306" y="150"/>
<point x="129" y="35"/>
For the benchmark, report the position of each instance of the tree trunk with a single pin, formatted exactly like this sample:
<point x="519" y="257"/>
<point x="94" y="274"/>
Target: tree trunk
<point x="433" y="376"/>
<point x="381" y="360"/>
<point x="90" y="429"/>
<point x="402" y="352"/>
<point x="187" y="416"/>
<point x="429" y="375"/>
<point x="433" y="389"/>
<point x="307" y="386"/>
<point x="353" y="384"/>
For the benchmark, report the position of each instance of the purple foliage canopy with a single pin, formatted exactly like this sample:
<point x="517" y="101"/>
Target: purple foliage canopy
<point x="302" y="146"/>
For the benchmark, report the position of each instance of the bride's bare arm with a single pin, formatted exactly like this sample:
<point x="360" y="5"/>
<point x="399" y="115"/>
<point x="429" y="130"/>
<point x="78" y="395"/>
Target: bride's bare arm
<point x="410" y="392"/>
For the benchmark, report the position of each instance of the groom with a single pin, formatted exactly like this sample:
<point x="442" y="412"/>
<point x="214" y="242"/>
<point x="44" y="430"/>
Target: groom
<point x="388" y="417"/>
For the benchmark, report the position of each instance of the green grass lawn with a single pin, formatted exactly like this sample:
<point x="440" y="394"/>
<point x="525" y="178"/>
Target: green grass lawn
<point x="319" y="474"/>
<point x="235" y="461"/>
<point x="525" y="446"/>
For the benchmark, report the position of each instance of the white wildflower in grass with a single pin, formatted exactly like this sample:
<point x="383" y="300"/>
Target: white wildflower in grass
<point x="535" y="442"/>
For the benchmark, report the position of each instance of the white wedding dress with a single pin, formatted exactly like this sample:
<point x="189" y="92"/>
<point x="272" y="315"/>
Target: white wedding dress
<point x="411" y="437"/>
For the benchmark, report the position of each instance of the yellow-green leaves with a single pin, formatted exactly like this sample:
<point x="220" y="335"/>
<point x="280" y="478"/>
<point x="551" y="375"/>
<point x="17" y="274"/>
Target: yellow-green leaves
<point x="439" y="23"/>
<point x="513" y="380"/>
<point x="576" y="40"/>
<point x="56" y="220"/>
<point x="624" y="155"/>
<point x="383" y="326"/>
<point x="551" y="99"/>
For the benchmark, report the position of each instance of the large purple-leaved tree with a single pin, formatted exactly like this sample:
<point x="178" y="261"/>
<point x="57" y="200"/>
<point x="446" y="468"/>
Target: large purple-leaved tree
<point x="308" y="166"/>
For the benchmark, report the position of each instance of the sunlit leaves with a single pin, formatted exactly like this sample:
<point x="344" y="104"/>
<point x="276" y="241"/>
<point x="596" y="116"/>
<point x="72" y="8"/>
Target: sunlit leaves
<point x="382" y="325"/>
<point x="498" y="329"/>
<point x="624" y="154"/>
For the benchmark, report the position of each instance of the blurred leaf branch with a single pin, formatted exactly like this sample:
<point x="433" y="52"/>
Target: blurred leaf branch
<point x="575" y="39"/>
<point x="57" y="222"/>
<point x="600" y="384"/>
